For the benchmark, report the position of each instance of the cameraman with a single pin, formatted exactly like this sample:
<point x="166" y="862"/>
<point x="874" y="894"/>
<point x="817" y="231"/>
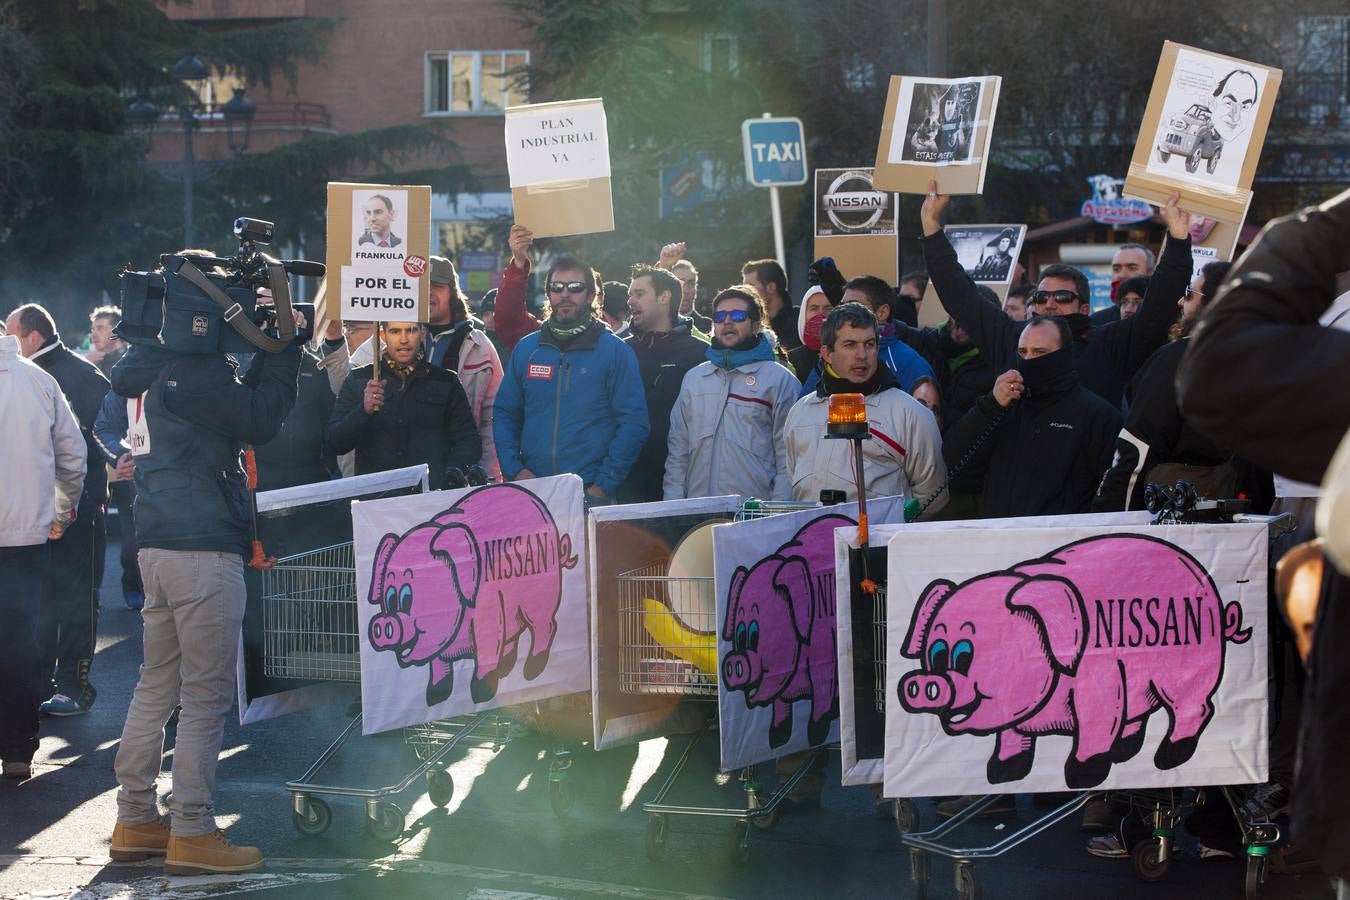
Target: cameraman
<point x="193" y="528"/>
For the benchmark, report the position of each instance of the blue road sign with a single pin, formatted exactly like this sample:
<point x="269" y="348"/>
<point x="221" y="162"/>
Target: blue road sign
<point x="775" y="152"/>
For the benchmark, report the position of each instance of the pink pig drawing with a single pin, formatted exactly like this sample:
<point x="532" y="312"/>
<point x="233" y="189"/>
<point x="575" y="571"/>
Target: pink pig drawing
<point x="1088" y="642"/>
<point x="467" y="585"/>
<point x="781" y="623"/>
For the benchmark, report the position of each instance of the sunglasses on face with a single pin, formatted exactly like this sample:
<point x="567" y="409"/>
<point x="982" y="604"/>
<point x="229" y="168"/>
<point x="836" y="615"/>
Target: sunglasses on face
<point x="735" y="315"/>
<point x="1058" y="296"/>
<point x="572" y="287"/>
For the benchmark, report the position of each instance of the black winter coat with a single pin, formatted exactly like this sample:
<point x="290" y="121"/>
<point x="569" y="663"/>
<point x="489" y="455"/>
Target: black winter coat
<point x="1264" y="377"/>
<point x="663" y="359"/>
<point x="84" y="387"/>
<point x="299" y="454"/>
<point x="425" y="419"/>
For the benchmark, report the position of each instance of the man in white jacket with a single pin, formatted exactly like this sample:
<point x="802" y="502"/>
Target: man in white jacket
<point x="726" y="428"/>
<point x="903" y="457"/>
<point x="44" y="455"/>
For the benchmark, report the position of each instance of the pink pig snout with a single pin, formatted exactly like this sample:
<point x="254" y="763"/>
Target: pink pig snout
<point x="389" y="631"/>
<point x="741" y="670"/>
<point x="922" y="692"/>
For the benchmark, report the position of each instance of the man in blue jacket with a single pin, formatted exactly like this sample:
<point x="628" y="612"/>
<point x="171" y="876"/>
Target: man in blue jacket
<point x="578" y="388"/>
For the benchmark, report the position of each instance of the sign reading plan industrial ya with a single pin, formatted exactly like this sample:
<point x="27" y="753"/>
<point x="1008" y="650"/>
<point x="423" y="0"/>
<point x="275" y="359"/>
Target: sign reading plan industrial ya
<point x="552" y="143"/>
<point x="379" y="239"/>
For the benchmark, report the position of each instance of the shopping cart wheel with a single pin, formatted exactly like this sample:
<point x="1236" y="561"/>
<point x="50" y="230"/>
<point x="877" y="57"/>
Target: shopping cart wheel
<point x="1148" y="862"/>
<point x="967" y="888"/>
<point x="906" y="816"/>
<point x="315" y="820"/>
<point x="740" y="843"/>
<point x="656" y="837"/>
<point x="387" y="822"/>
<point x="1256" y="876"/>
<point x="561" y="795"/>
<point x="765" y="821"/>
<point x="440" y="787"/>
<point x="918" y="873"/>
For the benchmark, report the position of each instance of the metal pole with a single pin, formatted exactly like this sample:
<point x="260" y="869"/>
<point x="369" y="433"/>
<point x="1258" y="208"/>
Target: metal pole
<point x="189" y="123"/>
<point x="862" y="493"/>
<point x="777" y="227"/>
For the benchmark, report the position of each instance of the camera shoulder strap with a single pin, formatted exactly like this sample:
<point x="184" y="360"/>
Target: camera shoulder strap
<point x="234" y="313"/>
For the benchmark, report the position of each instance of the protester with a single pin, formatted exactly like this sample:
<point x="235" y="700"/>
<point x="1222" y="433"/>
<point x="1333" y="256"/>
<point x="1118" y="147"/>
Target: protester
<point x="1105" y="356"/>
<point x="666" y="349"/>
<point x="909" y="298"/>
<point x="688" y="275"/>
<point x="194" y="530"/>
<point x="107" y="346"/>
<point x="513" y="321"/>
<point x="1263" y="376"/>
<point x="769" y="280"/>
<point x="927" y="392"/>
<point x="1017" y="305"/>
<point x="614" y="310"/>
<point x="487" y="312"/>
<point x="70" y="604"/>
<point x="413" y="413"/>
<point x="1129" y="261"/>
<point x="569" y="401"/>
<point x="1130" y="295"/>
<point x="110" y="433"/>
<point x="903" y="362"/>
<point x="726" y="429"/>
<point x="1038" y="421"/>
<point x="959" y="370"/>
<point x="811" y="315"/>
<point x="44" y="455"/>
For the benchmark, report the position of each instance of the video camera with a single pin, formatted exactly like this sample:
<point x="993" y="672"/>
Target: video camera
<point x="198" y="303"/>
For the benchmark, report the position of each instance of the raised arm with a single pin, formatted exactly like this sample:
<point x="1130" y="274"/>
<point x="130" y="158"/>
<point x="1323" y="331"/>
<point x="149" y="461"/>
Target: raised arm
<point x="512" y="320"/>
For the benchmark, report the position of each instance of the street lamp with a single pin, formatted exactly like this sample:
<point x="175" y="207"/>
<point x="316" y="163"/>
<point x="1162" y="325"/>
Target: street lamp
<point x="238" y="112"/>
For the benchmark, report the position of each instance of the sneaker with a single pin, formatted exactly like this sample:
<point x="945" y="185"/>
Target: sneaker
<point x="134" y="600"/>
<point x="18" y="771"/>
<point x="64" y="705"/>
<point x="1212" y="852"/>
<point x="1108" y="846"/>
<point x="201" y="854"/>
<point x="132" y="842"/>
<point x="1265" y="802"/>
<point x="1003" y="806"/>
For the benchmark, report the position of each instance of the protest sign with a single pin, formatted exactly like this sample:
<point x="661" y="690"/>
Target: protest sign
<point x="557" y="156"/>
<point x="1203" y="130"/>
<point x="777" y="653"/>
<point x="989" y="255"/>
<point x="1214" y="241"/>
<point x="936" y="128"/>
<point x="1084" y="657"/>
<point x="470" y="600"/>
<point x="855" y="223"/>
<point x="379" y="239"/>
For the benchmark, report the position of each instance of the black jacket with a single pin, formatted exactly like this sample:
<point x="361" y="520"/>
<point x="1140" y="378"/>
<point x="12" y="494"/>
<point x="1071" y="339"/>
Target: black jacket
<point x="1262" y="376"/>
<point x="1106" y="356"/>
<point x="191" y="491"/>
<point x="425" y="419"/>
<point x="663" y="359"/>
<point x="299" y="454"/>
<point x="784" y="326"/>
<point x="1042" y="456"/>
<point x="84" y="387"/>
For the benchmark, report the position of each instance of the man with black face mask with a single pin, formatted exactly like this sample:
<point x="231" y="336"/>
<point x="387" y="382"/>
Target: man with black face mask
<point x="1038" y="419"/>
<point x="1105" y="355"/>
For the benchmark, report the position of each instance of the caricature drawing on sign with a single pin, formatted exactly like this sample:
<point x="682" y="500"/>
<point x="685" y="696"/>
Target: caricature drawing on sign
<point x="780" y="622"/>
<point x="1088" y="641"/>
<point x="941" y="121"/>
<point x="469" y="584"/>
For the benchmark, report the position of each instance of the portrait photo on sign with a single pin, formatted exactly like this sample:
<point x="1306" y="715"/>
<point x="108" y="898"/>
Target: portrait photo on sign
<point x="378" y="219"/>
<point x="939" y="119"/>
<point x="1205" y="132"/>
<point x="848" y="204"/>
<point x="988" y="253"/>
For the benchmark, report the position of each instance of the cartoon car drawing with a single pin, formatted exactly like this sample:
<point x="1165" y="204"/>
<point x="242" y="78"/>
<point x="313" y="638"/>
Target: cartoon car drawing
<point x="1192" y="135"/>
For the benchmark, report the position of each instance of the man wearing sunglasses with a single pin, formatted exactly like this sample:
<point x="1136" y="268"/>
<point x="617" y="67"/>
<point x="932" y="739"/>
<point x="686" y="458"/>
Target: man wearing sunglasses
<point x="570" y="399"/>
<point x="1107" y="355"/>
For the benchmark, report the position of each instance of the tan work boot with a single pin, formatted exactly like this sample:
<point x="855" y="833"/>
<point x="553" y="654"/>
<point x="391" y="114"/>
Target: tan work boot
<point x="133" y="842"/>
<point x="202" y="853"/>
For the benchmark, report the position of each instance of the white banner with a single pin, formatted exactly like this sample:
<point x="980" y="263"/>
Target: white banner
<point x="1075" y="658"/>
<point x="470" y="600"/>
<point x="553" y="142"/>
<point x="778" y="690"/>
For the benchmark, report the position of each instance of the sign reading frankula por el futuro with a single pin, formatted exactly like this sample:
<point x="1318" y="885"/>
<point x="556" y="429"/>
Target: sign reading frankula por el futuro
<point x="379" y="241"/>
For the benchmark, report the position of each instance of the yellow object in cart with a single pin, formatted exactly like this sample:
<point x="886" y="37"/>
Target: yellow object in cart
<point x="698" y="649"/>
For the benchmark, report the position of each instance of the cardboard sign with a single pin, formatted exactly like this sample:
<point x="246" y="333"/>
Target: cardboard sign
<point x="1214" y="241"/>
<point x="936" y="128"/>
<point x="1203" y="130"/>
<point x="855" y="223"/>
<point x="1119" y="657"/>
<point x="557" y="156"/>
<point x="989" y="255"/>
<point x="470" y="600"/>
<point x="379" y="239"/>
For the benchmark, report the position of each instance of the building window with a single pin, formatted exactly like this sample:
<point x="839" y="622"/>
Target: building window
<point x="475" y="81"/>
<point x="719" y="53"/>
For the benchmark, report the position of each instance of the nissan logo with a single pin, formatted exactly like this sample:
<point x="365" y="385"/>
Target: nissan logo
<point x="852" y="204"/>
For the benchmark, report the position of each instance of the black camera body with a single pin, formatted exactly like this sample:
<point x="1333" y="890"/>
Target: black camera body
<point x="165" y="308"/>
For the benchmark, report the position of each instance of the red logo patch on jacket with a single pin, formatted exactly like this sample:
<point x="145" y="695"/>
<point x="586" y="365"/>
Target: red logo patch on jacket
<point x="541" y="372"/>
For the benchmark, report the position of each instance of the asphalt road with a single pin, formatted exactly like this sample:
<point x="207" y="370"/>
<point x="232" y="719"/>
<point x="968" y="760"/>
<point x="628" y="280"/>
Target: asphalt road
<point x="498" y="837"/>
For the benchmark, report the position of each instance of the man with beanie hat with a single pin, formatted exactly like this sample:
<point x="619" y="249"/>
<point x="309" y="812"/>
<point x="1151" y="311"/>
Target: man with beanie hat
<point x="726" y="429"/>
<point x="1040" y="438"/>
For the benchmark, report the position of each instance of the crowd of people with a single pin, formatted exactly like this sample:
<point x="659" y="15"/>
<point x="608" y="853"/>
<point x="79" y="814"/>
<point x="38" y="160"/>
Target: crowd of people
<point x="1030" y="405"/>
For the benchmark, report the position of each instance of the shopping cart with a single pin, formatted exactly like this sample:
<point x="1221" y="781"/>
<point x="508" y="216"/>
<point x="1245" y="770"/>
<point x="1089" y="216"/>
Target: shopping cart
<point x="1160" y="810"/>
<point x="311" y="632"/>
<point x="675" y="654"/>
